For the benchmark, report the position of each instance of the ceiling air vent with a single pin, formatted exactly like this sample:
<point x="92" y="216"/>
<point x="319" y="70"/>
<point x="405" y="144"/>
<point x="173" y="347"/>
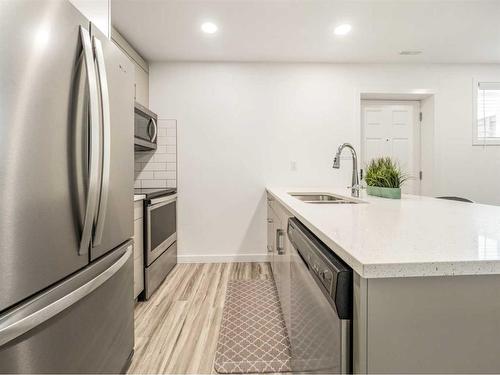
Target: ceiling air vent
<point x="410" y="52"/>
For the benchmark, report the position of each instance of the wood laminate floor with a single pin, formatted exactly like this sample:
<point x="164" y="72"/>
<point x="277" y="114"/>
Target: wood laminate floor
<point x="176" y="331"/>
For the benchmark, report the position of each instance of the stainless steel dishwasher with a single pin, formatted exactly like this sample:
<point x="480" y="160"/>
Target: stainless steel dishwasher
<point x="320" y="305"/>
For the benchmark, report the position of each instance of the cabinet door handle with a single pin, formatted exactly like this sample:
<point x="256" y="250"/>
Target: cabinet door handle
<point x="269" y="221"/>
<point x="279" y="244"/>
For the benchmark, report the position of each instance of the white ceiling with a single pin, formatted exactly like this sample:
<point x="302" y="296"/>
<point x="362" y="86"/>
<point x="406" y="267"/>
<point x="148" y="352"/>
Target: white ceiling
<point x="302" y="30"/>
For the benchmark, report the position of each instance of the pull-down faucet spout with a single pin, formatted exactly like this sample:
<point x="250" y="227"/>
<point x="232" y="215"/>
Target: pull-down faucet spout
<point x="355" y="177"/>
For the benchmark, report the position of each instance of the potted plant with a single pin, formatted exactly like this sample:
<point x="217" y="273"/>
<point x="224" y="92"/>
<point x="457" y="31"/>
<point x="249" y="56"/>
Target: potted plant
<point x="384" y="178"/>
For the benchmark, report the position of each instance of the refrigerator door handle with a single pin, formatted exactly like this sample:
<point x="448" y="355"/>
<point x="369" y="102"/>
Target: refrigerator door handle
<point x="106" y="131"/>
<point x="21" y="321"/>
<point x="94" y="143"/>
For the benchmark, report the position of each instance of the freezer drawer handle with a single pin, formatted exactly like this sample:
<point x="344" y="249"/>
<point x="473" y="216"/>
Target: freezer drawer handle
<point x="106" y="135"/>
<point x="10" y="327"/>
<point x="94" y="144"/>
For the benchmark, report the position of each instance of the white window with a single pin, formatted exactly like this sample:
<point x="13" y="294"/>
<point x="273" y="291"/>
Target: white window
<point x="487" y="113"/>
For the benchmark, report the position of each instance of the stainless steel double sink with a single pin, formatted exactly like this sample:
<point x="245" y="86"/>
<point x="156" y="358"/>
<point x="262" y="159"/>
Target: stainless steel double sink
<point x="323" y="198"/>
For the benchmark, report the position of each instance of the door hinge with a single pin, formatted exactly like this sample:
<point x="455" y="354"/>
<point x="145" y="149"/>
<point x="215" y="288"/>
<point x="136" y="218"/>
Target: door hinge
<point x="420" y="116"/>
<point x="420" y="175"/>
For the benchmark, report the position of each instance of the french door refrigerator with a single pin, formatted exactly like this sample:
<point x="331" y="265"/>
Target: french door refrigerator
<point x="66" y="187"/>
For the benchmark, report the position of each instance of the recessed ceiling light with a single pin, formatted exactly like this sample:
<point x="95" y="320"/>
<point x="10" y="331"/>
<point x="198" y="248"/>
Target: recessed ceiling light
<point x="410" y="52"/>
<point x="209" y="28"/>
<point x="343" y="29"/>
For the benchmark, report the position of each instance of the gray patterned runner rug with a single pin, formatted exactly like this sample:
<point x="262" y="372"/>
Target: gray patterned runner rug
<point x="253" y="336"/>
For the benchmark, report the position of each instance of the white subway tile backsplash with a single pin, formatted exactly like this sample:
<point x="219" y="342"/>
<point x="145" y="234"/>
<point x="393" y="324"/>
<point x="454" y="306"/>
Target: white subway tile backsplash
<point x="143" y="156"/>
<point x="167" y="123"/>
<point x="162" y="140"/>
<point x="153" y="184"/>
<point x="171" y="158"/>
<point x="161" y="158"/>
<point x="146" y="175"/>
<point x="151" y="166"/>
<point x="168" y="175"/>
<point x="159" y="168"/>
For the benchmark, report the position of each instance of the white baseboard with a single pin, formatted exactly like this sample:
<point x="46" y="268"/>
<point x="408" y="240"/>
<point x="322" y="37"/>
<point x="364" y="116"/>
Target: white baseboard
<point x="213" y="258"/>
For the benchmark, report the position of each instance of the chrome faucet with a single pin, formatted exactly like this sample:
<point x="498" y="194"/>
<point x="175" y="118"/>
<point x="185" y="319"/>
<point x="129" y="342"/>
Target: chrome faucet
<point x="355" y="177"/>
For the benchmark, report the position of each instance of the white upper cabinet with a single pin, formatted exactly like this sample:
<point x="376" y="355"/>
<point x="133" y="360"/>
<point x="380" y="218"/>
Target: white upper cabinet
<point x="97" y="11"/>
<point x="141" y="68"/>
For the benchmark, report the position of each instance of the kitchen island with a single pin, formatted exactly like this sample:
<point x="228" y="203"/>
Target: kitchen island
<point x="426" y="278"/>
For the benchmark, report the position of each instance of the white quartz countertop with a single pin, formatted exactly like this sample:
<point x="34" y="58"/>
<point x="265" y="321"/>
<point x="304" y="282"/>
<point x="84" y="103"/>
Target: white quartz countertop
<point x="139" y="197"/>
<point x="414" y="236"/>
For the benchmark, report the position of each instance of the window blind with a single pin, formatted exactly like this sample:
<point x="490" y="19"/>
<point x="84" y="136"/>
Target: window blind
<point x="488" y="113"/>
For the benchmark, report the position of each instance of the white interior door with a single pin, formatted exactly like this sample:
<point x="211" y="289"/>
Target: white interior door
<point x="390" y="128"/>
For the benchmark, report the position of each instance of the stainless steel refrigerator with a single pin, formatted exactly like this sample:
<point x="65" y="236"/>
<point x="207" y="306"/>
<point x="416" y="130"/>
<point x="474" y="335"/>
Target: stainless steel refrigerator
<point x="66" y="188"/>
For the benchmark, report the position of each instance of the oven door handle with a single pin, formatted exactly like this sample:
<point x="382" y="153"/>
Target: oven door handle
<point x="158" y="202"/>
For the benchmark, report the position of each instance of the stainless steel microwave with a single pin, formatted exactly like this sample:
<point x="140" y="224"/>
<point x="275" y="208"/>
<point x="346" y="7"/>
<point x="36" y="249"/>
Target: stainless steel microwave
<point x="146" y="128"/>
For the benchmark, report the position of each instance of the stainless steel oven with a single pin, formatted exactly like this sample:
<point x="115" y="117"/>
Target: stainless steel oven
<point x="160" y="240"/>
<point x="145" y="128"/>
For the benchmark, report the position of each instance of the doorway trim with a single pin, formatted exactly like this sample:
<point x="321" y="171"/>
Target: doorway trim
<point x="427" y="137"/>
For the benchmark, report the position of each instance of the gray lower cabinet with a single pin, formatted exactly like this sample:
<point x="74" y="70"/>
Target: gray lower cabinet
<point x="446" y="324"/>
<point x="280" y="248"/>
<point x="439" y="324"/>
<point x="272" y="225"/>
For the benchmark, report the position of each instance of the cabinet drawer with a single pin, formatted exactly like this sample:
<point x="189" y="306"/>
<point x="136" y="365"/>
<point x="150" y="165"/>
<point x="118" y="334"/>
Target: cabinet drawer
<point x="138" y="209"/>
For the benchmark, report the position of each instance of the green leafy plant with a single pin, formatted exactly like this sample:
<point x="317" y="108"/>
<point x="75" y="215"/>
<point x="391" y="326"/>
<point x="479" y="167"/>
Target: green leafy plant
<point x="384" y="172"/>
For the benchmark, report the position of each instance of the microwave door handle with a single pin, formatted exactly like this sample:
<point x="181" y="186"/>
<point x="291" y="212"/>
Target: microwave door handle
<point x="155" y="129"/>
<point x="148" y="129"/>
<point x="93" y="181"/>
<point x="106" y="131"/>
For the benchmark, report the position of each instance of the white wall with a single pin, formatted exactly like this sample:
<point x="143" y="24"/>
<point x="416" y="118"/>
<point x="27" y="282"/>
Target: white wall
<point x="241" y="124"/>
<point x="97" y="11"/>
